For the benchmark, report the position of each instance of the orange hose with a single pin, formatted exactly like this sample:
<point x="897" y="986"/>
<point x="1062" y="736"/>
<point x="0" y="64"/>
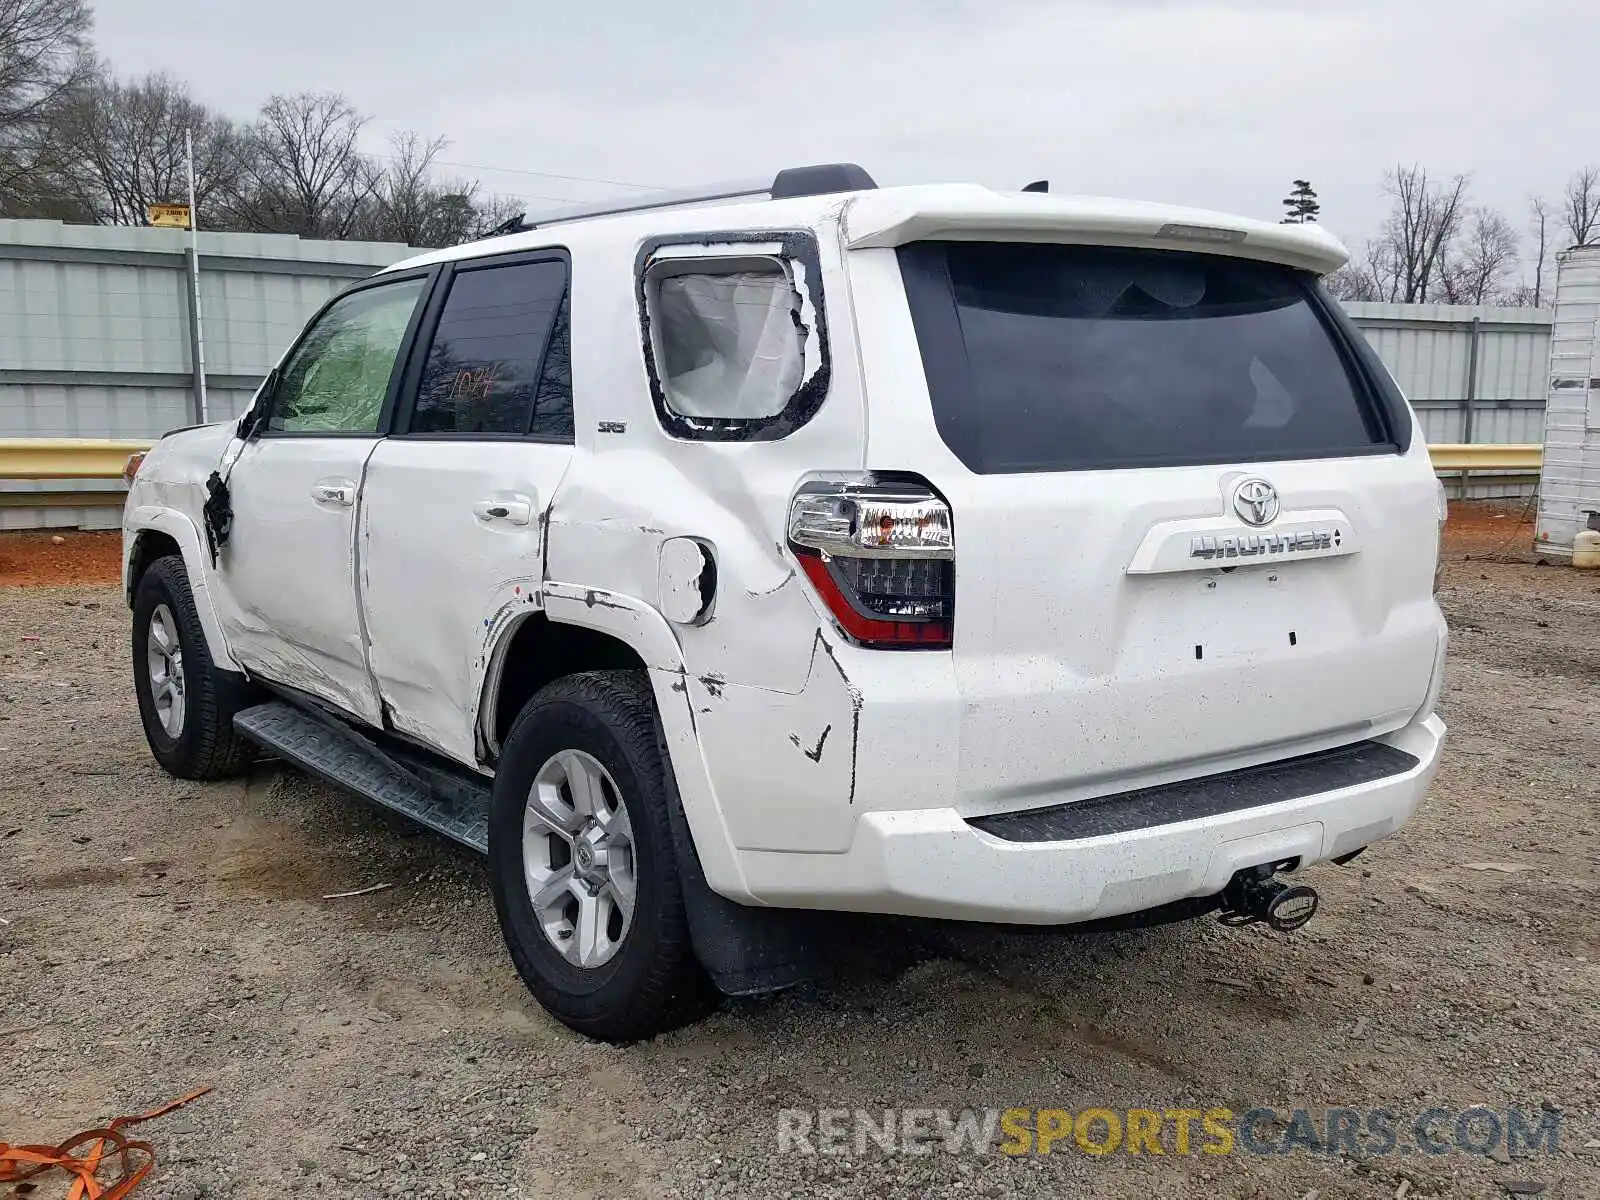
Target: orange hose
<point x="136" y="1157"/>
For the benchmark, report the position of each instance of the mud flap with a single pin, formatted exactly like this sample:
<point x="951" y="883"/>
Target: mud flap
<point x="745" y="950"/>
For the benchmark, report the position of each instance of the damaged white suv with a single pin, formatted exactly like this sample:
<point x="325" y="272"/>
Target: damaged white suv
<point x="933" y="551"/>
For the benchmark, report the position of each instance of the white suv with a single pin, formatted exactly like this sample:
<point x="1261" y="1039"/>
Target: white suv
<point x="933" y="551"/>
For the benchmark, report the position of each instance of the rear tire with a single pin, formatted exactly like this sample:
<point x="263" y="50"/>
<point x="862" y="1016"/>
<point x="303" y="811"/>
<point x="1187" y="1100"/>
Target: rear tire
<point x="582" y="864"/>
<point x="186" y="702"/>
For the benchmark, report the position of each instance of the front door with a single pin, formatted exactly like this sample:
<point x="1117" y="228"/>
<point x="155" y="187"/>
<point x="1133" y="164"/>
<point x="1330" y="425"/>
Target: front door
<point x="452" y="528"/>
<point x="286" y="580"/>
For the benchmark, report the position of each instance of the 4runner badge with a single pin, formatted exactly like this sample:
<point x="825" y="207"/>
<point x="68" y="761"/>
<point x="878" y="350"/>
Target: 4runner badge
<point x="1256" y="501"/>
<point x="1250" y="545"/>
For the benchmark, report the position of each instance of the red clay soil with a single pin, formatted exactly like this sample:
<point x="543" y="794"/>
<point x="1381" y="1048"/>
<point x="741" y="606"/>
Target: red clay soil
<point x="60" y="558"/>
<point x="1485" y="529"/>
<point x="55" y="559"/>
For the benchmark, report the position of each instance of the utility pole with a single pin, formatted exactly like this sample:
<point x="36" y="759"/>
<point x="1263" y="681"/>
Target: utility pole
<point x="199" y="343"/>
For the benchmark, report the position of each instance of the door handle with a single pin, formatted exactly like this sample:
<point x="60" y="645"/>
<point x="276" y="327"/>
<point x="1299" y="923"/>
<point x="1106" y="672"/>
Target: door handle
<point x="513" y="510"/>
<point x="334" y="491"/>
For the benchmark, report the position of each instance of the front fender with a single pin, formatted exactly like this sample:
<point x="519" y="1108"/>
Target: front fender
<point x="159" y="519"/>
<point x="642" y="627"/>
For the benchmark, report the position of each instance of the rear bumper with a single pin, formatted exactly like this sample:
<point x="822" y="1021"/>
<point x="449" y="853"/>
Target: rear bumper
<point x="933" y="863"/>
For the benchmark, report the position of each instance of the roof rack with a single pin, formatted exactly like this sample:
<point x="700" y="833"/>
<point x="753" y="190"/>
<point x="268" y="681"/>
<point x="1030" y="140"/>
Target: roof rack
<point x="821" y="180"/>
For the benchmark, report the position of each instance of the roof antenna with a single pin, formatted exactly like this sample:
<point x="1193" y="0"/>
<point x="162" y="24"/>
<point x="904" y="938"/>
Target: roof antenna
<point x="1038" y="185"/>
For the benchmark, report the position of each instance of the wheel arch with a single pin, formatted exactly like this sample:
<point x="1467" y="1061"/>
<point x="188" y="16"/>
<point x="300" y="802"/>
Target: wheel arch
<point x="537" y="651"/>
<point x="606" y="630"/>
<point x="145" y="547"/>
<point x="151" y="532"/>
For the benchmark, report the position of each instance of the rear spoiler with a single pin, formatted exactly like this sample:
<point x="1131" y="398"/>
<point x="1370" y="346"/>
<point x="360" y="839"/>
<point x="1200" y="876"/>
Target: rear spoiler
<point x="965" y="212"/>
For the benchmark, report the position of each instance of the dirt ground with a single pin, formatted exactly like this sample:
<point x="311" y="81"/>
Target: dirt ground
<point x="57" y="558"/>
<point x="160" y="935"/>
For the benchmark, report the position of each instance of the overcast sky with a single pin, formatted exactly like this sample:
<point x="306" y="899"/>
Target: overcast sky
<point x="1217" y="104"/>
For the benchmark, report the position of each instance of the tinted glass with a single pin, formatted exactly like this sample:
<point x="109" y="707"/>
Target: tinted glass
<point x="482" y="371"/>
<point x="552" y="407"/>
<point x="1044" y="358"/>
<point x="338" y="376"/>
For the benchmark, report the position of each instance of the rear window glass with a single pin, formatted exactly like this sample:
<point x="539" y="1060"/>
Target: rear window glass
<point x="1047" y="358"/>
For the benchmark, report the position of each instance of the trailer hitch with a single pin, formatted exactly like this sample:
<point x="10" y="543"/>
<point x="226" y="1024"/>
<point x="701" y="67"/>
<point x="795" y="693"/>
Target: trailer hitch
<point x="1254" y="895"/>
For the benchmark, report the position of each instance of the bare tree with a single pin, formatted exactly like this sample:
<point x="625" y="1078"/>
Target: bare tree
<point x="1424" y="220"/>
<point x="1539" y="226"/>
<point x="44" y="52"/>
<point x="1581" y="206"/>
<point x="78" y="144"/>
<point x="1474" y="268"/>
<point x="121" y="147"/>
<point x="44" y="49"/>
<point x="1353" y="282"/>
<point x="1369" y="277"/>
<point x="302" y="171"/>
<point x="411" y="205"/>
<point x="1379" y="263"/>
<point x="1347" y="283"/>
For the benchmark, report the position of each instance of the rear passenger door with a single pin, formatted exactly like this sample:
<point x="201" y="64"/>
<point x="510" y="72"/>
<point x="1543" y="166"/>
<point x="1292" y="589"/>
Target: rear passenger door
<point x="452" y="528"/>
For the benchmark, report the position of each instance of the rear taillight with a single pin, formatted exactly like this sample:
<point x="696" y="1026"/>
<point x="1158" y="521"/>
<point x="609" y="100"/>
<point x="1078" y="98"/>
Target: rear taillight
<point x="881" y="557"/>
<point x="131" y="467"/>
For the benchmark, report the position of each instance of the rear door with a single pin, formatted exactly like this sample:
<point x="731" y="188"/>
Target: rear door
<point x="452" y="525"/>
<point x="1188" y="532"/>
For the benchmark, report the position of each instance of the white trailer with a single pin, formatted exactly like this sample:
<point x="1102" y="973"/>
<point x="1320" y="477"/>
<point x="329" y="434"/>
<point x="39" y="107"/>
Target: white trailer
<point x="1569" y="488"/>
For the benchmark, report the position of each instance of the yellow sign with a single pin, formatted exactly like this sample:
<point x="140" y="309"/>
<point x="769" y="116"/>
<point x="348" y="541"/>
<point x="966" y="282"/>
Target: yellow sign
<point x="168" y="216"/>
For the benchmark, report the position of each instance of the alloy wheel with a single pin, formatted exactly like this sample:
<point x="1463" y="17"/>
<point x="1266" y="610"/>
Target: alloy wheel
<point x="578" y="858"/>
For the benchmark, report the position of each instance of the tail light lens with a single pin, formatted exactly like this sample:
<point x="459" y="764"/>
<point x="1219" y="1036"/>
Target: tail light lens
<point x="882" y="558"/>
<point x="131" y="467"/>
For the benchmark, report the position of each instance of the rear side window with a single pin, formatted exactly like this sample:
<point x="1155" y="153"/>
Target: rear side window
<point x="1052" y="358"/>
<point x="735" y="333"/>
<point x="489" y="369"/>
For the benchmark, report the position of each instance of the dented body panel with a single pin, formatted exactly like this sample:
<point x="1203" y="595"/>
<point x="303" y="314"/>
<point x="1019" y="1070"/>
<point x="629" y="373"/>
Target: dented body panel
<point x="161" y="516"/>
<point x="451" y="542"/>
<point x="814" y="771"/>
<point x="286" y="585"/>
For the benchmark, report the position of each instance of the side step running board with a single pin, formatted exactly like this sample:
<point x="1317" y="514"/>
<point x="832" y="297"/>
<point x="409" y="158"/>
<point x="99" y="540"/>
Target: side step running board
<point x="454" y="805"/>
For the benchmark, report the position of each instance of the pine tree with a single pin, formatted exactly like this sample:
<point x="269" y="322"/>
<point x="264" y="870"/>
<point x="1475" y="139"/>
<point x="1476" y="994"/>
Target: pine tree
<point x="1301" y="203"/>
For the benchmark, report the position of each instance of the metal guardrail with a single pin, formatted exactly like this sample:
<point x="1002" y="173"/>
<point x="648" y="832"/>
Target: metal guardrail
<point x="1487" y="456"/>
<point x="104" y="458"/>
<point x="66" y="458"/>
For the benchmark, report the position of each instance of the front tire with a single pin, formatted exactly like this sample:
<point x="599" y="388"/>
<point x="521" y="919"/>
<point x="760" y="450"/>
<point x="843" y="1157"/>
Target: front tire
<point x="582" y="864"/>
<point x="186" y="702"/>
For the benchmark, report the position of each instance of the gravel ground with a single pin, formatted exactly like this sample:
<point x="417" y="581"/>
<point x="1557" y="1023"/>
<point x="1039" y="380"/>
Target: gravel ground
<point x="160" y="935"/>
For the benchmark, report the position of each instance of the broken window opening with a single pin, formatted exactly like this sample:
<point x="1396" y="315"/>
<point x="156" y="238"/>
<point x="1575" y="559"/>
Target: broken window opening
<point x="735" y="343"/>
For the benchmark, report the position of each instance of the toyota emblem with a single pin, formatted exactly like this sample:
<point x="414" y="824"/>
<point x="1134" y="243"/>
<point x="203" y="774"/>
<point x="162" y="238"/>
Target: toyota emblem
<point x="1256" y="501"/>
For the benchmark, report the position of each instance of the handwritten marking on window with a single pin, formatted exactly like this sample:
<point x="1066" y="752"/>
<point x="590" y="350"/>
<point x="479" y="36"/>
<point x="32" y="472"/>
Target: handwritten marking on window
<point x="473" y="384"/>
